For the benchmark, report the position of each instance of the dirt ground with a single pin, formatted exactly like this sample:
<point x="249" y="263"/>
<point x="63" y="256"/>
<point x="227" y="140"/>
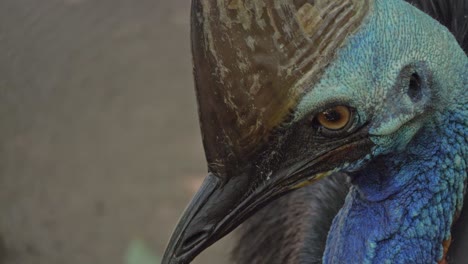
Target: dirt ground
<point x="99" y="138"/>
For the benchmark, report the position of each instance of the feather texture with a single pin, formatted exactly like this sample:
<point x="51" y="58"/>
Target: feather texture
<point x="294" y="228"/>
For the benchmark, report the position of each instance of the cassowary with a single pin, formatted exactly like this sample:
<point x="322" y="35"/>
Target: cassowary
<point x="357" y="109"/>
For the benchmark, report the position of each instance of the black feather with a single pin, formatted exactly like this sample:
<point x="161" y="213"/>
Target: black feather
<point x="458" y="250"/>
<point x="294" y="228"/>
<point x="453" y="14"/>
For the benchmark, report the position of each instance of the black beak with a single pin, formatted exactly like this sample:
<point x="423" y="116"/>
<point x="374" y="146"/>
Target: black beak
<point x="212" y="213"/>
<point x="220" y="206"/>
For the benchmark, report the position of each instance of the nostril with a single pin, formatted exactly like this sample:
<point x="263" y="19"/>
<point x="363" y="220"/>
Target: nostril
<point x="194" y="239"/>
<point x="415" y="88"/>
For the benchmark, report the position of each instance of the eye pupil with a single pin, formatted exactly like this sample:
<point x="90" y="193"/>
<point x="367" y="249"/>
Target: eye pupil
<point x="332" y="115"/>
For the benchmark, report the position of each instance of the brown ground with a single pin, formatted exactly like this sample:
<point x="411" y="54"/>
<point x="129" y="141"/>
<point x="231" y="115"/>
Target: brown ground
<point x="99" y="137"/>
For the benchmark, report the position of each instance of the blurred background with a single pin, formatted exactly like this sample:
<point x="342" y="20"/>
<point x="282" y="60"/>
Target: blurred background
<point x="100" y="148"/>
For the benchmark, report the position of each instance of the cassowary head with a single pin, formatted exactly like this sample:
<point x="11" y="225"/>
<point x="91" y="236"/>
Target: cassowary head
<point x="291" y="91"/>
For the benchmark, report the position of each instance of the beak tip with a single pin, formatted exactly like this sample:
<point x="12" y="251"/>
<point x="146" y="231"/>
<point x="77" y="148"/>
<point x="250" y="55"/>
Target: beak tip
<point x="193" y="229"/>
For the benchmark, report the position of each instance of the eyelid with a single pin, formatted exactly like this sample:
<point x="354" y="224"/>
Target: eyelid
<point x="309" y="109"/>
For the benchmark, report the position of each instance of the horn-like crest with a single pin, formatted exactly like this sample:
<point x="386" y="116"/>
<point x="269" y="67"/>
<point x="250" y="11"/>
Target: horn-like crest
<point x="252" y="61"/>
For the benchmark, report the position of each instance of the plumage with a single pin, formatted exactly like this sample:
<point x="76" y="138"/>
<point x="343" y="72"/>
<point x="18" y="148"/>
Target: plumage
<point x="293" y="228"/>
<point x="379" y="130"/>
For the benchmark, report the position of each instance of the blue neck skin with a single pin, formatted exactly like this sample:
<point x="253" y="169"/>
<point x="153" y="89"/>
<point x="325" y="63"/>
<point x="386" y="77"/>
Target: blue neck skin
<point x="401" y="206"/>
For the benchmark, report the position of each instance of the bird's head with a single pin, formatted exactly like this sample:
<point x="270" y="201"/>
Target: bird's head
<point x="290" y="91"/>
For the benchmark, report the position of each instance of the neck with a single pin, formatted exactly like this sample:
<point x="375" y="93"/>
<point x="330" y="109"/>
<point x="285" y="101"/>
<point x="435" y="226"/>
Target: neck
<point x="401" y="207"/>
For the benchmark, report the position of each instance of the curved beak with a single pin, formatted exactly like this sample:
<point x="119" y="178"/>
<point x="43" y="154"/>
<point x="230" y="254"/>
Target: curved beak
<point x="220" y="206"/>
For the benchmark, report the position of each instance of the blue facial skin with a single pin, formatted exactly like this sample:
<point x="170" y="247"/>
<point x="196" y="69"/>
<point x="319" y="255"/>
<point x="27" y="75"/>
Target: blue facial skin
<point x="403" y="203"/>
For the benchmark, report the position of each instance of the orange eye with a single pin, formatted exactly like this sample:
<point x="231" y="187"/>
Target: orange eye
<point x="335" y="118"/>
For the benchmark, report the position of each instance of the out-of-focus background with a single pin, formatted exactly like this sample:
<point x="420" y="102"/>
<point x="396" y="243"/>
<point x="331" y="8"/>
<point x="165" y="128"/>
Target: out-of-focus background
<point x="100" y="148"/>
